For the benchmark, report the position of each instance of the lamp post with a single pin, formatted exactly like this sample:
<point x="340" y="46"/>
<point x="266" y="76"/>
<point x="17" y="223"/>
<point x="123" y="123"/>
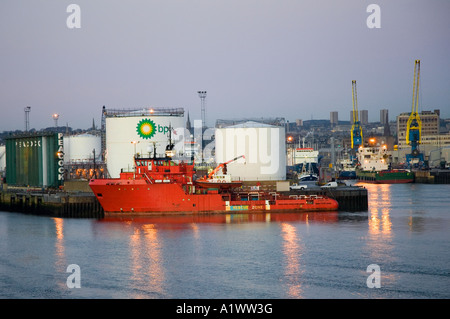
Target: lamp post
<point x="202" y="95"/>
<point x="55" y="118"/>
<point x="27" y="118"/>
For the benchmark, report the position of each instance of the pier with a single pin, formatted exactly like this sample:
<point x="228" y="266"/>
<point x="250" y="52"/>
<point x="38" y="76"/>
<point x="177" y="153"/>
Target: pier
<point x="433" y="176"/>
<point x="55" y="205"/>
<point x="75" y="203"/>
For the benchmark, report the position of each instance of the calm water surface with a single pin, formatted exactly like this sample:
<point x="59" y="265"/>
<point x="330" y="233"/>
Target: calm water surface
<point x="406" y="232"/>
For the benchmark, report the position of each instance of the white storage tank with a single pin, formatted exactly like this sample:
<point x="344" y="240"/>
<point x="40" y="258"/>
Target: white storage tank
<point x="2" y="158"/>
<point x="262" y="145"/>
<point x="80" y="148"/>
<point x="138" y="131"/>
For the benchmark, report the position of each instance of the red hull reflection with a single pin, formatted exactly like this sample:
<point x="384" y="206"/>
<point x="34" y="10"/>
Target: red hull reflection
<point x="320" y="217"/>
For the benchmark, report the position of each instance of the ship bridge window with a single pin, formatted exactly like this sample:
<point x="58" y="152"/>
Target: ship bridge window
<point x="141" y="163"/>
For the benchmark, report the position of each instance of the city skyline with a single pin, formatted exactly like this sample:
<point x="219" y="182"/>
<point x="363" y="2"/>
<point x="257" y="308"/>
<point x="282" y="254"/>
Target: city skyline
<point x="294" y="59"/>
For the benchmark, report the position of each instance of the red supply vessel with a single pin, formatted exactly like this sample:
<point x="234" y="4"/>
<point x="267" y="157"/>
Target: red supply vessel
<point x="160" y="185"/>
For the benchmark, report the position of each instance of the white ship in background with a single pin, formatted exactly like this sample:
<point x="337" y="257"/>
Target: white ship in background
<point x="307" y="161"/>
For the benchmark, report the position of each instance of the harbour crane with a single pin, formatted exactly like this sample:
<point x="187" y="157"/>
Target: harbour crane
<point x="414" y="124"/>
<point x="356" y="132"/>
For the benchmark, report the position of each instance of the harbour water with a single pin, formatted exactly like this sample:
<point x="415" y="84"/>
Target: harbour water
<point x="405" y="233"/>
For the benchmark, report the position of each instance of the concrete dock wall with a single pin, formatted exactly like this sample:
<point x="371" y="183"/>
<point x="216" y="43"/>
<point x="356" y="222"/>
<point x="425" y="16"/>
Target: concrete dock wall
<point x="434" y="176"/>
<point x="56" y="205"/>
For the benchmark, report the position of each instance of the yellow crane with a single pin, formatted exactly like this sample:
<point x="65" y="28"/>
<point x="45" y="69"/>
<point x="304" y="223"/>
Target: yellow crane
<point x="356" y="132"/>
<point x="414" y="124"/>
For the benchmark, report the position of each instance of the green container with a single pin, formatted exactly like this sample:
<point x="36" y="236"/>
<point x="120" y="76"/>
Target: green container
<point x="35" y="160"/>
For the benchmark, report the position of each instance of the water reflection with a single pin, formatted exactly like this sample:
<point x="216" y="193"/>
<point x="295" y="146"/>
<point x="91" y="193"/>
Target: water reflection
<point x="60" y="250"/>
<point x="379" y="243"/>
<point x="147" y="272"/>
<point x="60" y="255"/>
<point x="379" y="201"/>
<point x="292" y="251"/>
<point x="147" y="264"/>
<point x="188" y="221"/>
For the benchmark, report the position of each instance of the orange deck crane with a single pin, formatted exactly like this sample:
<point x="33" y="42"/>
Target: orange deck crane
<point x="223" y="167"/>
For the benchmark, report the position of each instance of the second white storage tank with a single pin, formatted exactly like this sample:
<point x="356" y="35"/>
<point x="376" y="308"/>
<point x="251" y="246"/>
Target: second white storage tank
<point x="262" y="145"/>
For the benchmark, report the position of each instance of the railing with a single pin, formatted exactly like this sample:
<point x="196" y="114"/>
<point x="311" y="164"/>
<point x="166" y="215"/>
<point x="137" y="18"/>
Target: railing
<point x="148" y="179"/>
<point x="145" y="111"/>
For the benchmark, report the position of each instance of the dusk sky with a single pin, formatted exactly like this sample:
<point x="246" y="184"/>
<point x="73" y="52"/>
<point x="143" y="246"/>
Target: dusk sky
<point x="255" y="58"/>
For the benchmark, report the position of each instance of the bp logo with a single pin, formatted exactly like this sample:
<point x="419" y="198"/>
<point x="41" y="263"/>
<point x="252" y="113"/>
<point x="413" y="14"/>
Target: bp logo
<point x="146" y="128"/>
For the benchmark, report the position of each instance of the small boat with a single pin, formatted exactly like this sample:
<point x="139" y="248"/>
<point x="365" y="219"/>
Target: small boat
<point x="308" y="178"/>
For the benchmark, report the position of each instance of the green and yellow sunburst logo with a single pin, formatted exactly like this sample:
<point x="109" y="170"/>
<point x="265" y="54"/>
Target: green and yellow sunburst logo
<point x="146" y="128"/>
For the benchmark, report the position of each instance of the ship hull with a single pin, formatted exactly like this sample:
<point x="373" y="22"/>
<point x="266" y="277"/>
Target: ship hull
<point x="137" y="196"/>
<point x="347" y="175"/>
<point x="385" y="177"/>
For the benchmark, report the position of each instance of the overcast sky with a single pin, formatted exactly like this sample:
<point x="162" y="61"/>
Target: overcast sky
<point x="255" y="58"/>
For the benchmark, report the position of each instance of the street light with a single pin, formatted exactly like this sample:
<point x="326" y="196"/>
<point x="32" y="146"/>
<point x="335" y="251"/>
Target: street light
<point x="202" y="95"/>
<point x="55" y="118"/>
